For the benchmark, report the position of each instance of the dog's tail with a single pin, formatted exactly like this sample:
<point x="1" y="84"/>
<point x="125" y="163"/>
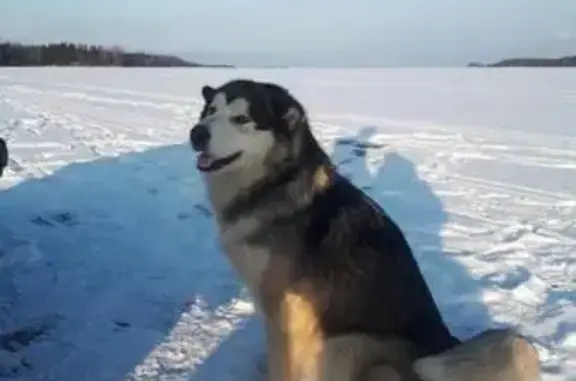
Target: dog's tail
<point x="496" y="354"/>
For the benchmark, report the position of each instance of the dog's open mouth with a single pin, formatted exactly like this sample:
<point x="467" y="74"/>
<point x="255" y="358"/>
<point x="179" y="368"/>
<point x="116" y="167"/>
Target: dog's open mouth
<point x="207" y="163"/>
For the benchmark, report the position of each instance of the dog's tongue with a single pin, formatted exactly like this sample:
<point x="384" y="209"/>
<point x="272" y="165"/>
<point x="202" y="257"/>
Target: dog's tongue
<point x="204" y="161"/>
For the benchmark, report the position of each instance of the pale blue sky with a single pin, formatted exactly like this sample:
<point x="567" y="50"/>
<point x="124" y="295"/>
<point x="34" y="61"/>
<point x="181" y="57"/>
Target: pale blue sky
<point x="320" y="32"/>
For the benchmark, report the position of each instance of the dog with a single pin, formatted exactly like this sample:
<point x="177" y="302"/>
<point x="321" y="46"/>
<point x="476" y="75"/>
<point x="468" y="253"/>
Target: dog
<point x="3" y="156"/>
<point x="334" y="277"/>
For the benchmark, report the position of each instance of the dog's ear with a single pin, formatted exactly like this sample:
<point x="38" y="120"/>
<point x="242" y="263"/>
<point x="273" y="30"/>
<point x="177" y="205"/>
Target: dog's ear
<point x="283" y="106"/>
<point x="208" y="93"/>
<point x="293" y="117"/>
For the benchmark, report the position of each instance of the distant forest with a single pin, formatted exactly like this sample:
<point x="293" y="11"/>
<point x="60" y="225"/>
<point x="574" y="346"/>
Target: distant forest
<point x="70" y="54"/>
<point x="569" y="61"/>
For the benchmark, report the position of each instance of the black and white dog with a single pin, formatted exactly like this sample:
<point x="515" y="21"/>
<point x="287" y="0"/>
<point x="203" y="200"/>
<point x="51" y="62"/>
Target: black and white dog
<point x="342" y="295"/>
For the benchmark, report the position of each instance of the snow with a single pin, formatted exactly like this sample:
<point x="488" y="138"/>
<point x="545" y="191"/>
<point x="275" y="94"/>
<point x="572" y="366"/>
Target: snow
<point x="109" y="265"/>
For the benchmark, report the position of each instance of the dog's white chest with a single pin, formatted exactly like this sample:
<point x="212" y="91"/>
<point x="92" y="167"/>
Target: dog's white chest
<point x="250" y="260"/>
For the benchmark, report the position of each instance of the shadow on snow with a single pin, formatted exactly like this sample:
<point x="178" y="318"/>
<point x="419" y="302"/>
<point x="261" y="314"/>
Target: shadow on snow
<point x="98" y="261"/>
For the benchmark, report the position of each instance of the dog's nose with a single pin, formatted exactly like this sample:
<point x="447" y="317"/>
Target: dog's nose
<point x="199" y="137"/>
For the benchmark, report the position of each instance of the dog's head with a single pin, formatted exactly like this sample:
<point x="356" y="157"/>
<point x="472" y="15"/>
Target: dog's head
<point x="243" y="124"/>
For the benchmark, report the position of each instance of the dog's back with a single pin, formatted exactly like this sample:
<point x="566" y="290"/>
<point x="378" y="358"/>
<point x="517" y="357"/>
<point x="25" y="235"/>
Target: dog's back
<point x="365" y="268"/>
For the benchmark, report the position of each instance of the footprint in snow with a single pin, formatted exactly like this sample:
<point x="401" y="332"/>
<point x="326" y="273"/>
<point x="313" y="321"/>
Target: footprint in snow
<point x="200" y="208"/>
<point x="56" y="219"/>
<point x="13" y="343"/>
<point x="204" y="210"/>
<point x="507" y="280"/>
<point x="359" y="148"/>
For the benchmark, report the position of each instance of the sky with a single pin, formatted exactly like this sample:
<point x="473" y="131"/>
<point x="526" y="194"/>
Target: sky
<point x="305" y="32"/>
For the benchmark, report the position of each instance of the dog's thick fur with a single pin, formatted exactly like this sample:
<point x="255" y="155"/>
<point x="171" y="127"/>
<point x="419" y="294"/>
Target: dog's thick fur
<point x="332" y="274"/>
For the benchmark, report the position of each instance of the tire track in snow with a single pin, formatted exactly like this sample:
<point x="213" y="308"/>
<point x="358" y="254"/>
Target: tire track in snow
<point x="89" y="110"/>
<point x="81" y="90"/>
<point x="90" y="127"/>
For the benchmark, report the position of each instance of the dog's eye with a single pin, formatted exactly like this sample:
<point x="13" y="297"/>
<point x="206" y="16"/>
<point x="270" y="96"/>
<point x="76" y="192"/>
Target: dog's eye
<point x="210" y="110"/>
<point x="240" y="119"/>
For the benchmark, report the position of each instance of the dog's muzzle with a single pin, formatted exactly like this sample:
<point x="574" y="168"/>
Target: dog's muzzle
<point x="199" y="137"/>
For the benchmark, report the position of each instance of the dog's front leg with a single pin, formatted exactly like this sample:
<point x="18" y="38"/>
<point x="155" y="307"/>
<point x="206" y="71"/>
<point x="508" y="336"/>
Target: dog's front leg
<point x="291" y="358"/>
<point x="277" y="355"/>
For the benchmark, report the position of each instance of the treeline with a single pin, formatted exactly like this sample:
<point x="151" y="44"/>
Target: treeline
<point x="568" y="61"/>
<point x="69" y="54"/>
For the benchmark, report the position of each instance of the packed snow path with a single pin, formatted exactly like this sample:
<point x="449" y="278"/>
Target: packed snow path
<point x="109" y="265"/>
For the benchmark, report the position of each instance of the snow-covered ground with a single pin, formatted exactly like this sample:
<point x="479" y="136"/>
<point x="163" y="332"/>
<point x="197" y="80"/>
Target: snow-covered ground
<point x="109" y="266"/>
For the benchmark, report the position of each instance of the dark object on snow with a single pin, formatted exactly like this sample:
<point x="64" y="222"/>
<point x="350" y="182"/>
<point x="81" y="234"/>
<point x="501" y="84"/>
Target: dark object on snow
<point x="3" y="156"/>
